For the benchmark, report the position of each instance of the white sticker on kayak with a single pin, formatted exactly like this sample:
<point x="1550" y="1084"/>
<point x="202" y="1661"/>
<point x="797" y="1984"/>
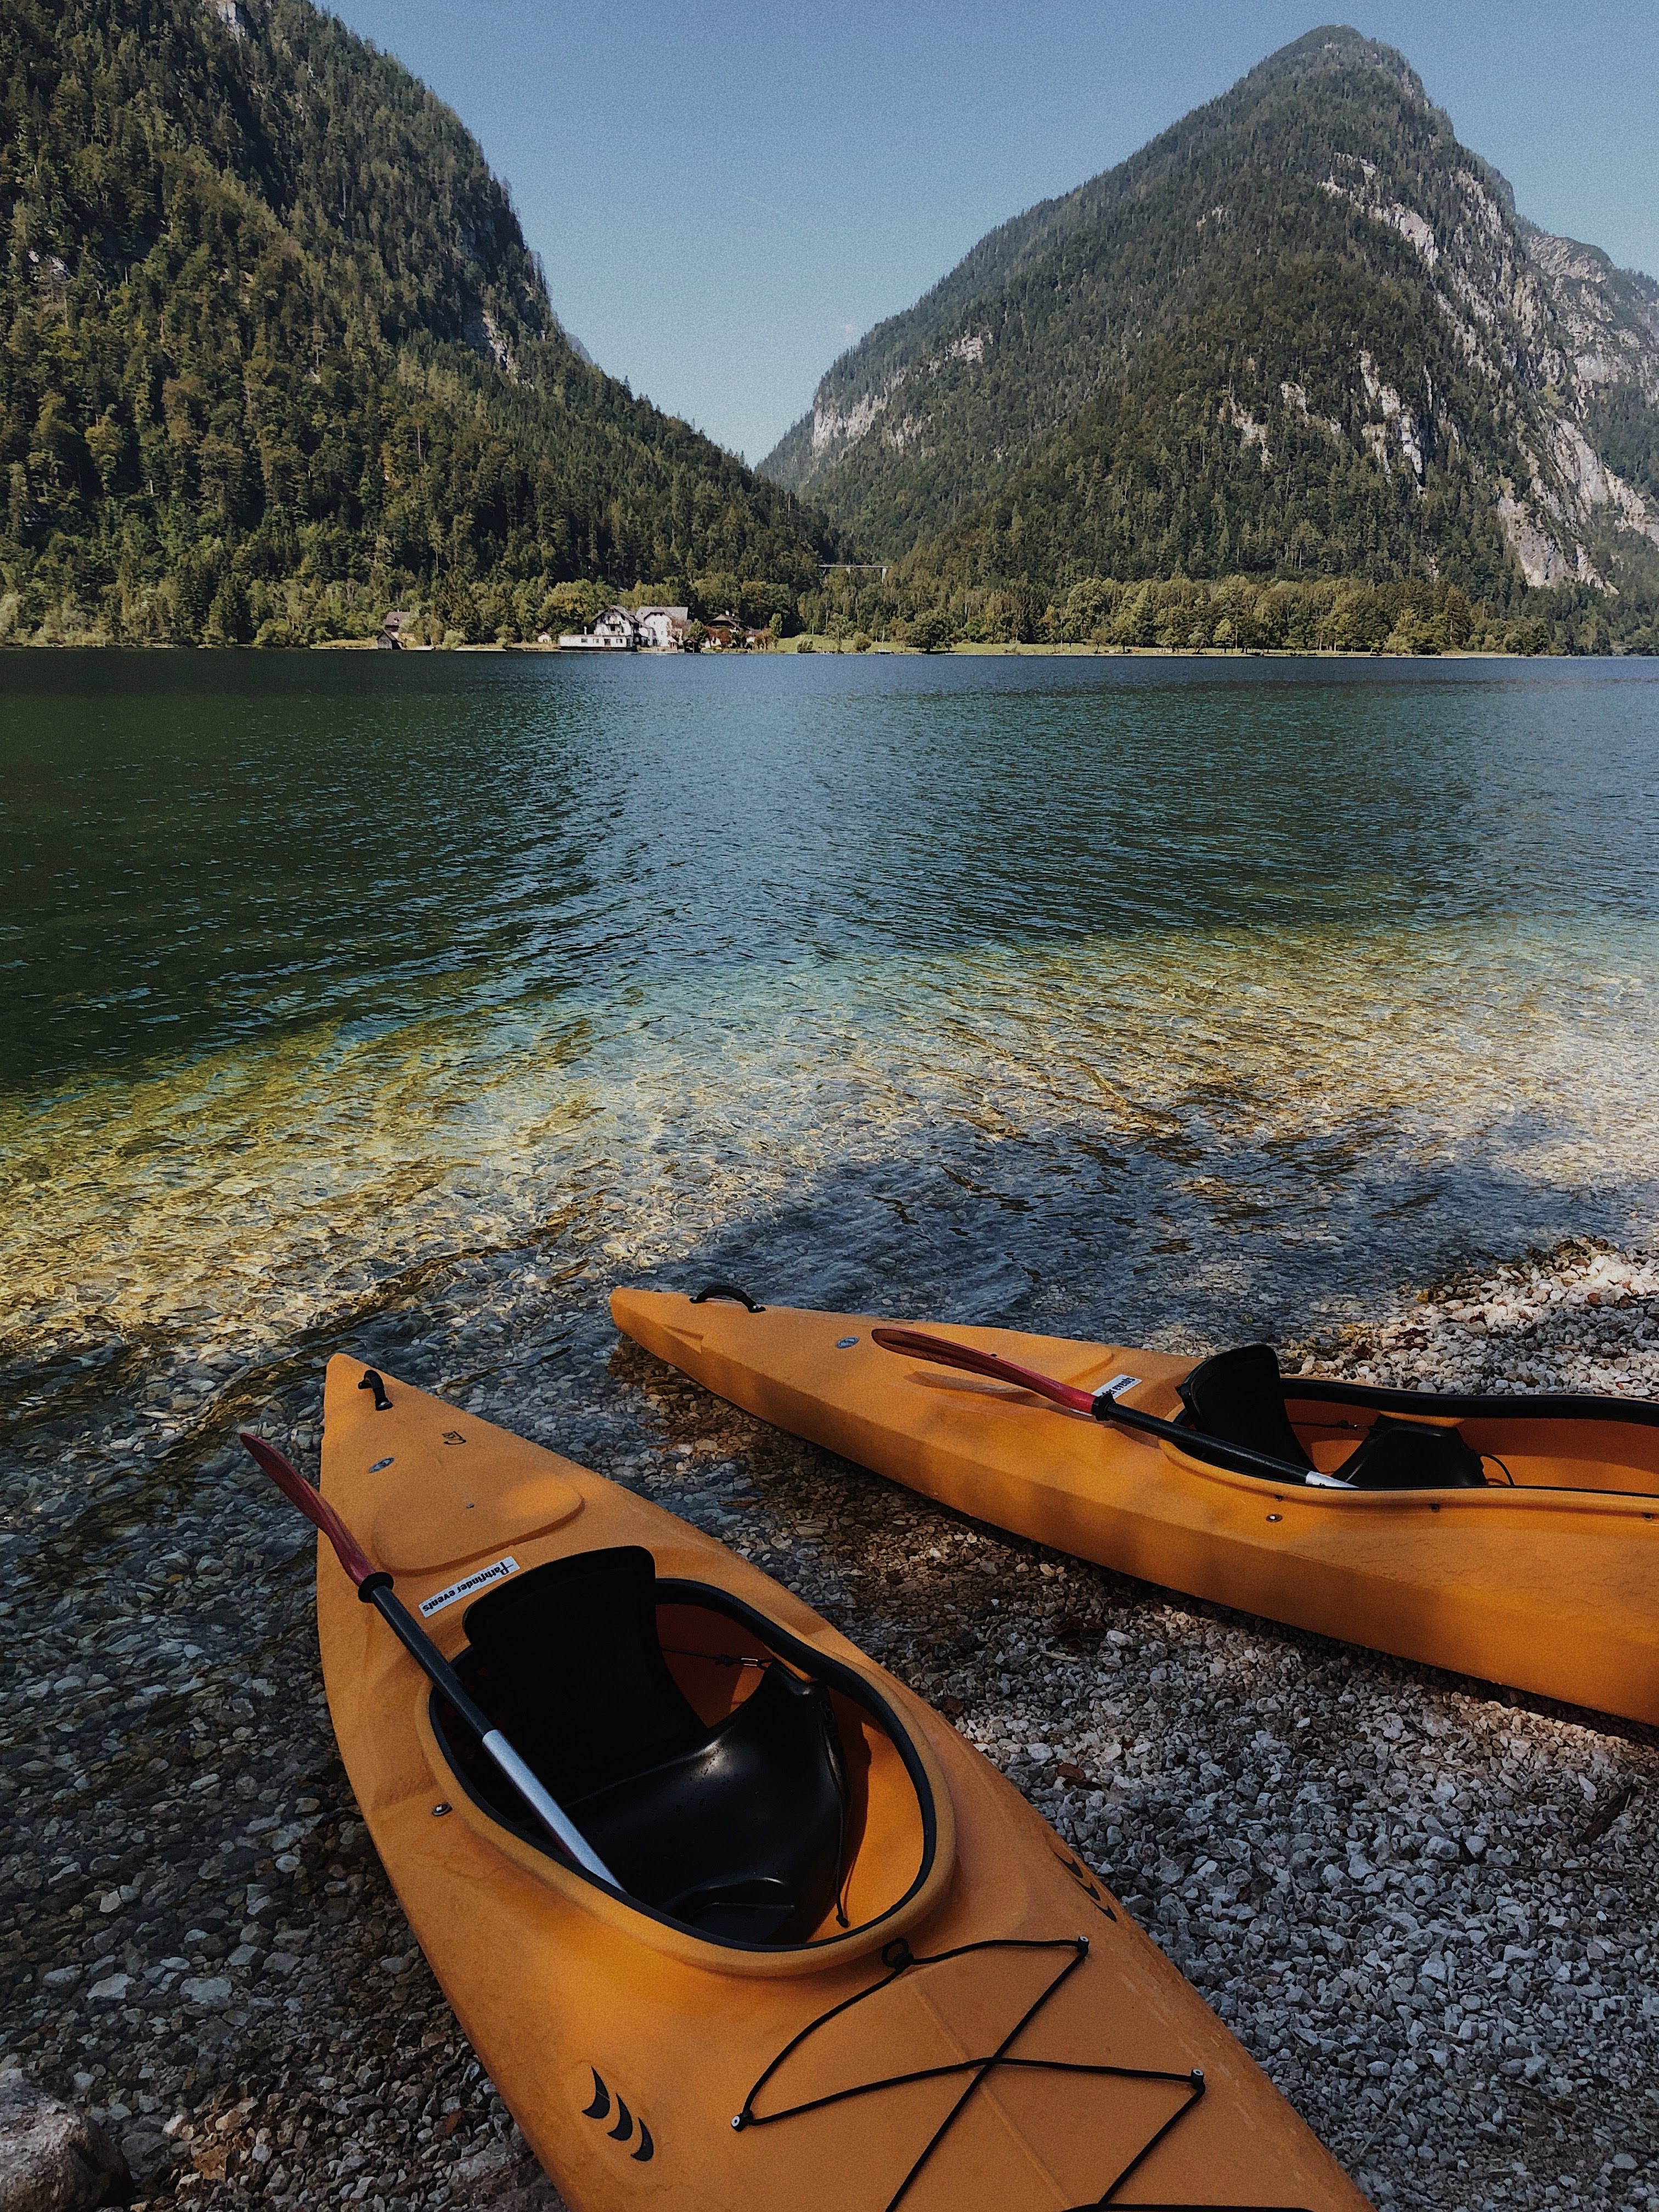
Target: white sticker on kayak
<point x="473" y="1583"/>
<point x="1118" y="1383"/>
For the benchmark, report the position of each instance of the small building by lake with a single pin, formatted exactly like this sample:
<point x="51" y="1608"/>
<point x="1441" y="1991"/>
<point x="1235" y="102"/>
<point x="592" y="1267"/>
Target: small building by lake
<point x="614" y="631"/>
<point x="633" y="629"/>
<point x="663" y="628"/>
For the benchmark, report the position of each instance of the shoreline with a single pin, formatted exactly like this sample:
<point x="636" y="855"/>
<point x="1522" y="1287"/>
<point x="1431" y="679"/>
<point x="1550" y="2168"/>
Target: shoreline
<point x="1413" y="1897"/>
<point x="813" y="646"/>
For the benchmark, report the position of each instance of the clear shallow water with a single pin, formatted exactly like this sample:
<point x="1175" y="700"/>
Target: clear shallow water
<point x="1173" y="1000"/>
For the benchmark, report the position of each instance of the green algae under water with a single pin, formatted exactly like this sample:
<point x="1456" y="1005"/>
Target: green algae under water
<point x="1156" y="998"/>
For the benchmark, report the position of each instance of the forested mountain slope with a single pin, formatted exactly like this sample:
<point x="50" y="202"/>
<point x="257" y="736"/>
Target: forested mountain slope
<point x="1302" y="333"/>
<point x="273" y="349"/>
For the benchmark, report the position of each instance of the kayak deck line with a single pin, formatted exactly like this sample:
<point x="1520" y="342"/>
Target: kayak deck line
<point x="900" y="1958"/>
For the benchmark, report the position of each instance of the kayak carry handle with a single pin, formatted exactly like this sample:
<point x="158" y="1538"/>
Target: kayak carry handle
<point x="726" y="1291"/>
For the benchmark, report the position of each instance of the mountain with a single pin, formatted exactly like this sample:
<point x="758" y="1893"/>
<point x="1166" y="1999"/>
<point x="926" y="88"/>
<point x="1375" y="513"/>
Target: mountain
<point x="1302" y="333"/>
<point x="274" y="355"/>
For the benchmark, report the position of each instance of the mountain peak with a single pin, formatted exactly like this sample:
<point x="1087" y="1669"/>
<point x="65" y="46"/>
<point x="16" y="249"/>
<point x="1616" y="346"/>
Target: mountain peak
<point x="1300" y="332"/>
<point x="1337" y="46"/>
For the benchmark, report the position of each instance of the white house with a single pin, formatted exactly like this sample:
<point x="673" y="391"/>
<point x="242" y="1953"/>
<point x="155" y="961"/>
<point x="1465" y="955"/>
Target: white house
<point x="663" y="628"/>
<point x="615" y="631"/>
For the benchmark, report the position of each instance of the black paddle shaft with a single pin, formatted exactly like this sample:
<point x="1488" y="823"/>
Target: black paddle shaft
<point x="1193" y="1442"/>
<point x="378" y="1592"/>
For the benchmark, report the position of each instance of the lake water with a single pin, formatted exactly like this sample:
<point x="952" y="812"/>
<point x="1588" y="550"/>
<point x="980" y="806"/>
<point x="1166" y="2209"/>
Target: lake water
<point x="1173" y="1000"/>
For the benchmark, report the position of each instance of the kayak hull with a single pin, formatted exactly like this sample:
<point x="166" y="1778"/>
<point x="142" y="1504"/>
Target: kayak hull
<point x="1550" y="1586"/>
<point x="625" y="2045"/>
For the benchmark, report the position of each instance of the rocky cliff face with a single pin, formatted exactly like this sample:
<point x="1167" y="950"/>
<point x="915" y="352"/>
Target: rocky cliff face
<point x="1555" y="330"/>
<point x="1318" y="307"/>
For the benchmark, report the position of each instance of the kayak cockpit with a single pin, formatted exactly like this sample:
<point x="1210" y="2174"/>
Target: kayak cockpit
<point x="1564" y="1443"/>
<point x="737" y="1784"/>
<point x="1237" y="1408"/>
<point x="1235" y="1402"/>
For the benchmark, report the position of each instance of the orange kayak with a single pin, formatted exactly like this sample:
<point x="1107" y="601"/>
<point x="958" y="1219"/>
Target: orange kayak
<point x="1512" y="1538"/>
<point x="844" y="1967"/>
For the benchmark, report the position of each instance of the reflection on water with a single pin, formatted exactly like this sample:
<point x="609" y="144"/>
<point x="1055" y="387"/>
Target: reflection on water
<point x="1173" y="998"/>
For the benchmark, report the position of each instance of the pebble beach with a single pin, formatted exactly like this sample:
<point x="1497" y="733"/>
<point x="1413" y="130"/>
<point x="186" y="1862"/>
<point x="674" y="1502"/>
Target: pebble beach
<point x="1424" y="1905"/>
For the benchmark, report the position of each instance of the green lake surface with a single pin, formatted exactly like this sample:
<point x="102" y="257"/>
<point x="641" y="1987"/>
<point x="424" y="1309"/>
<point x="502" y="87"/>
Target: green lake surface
<point x="1183" y="1000"/>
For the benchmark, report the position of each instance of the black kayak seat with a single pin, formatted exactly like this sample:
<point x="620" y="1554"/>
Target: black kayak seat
<point x="1238" y="1398"/>
<point x="735" y="1829"/>
<point x="1397" y="1454"/>
<point x="579" y="1682"/>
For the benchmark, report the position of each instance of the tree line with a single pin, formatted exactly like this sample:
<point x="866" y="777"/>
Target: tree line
<point x="1238" y="612"/>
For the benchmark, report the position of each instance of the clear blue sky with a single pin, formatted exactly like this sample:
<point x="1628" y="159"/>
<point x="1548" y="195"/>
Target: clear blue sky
<point x="725" y="198"/>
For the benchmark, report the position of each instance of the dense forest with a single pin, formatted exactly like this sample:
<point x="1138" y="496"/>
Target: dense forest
<point x="274" y="357"/>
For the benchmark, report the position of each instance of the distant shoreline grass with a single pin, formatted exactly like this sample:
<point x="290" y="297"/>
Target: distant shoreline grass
<point x="826" y="645"/>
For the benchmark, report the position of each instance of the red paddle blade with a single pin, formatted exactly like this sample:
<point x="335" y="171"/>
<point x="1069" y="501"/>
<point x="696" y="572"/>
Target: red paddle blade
<point x="295" y="1488"/>
<point x="942" y="1352"/>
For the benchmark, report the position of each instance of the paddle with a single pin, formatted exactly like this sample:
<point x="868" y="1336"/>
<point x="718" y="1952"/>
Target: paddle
<point x="374" y="1587"/>
<point x="1101" y="1404"/>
